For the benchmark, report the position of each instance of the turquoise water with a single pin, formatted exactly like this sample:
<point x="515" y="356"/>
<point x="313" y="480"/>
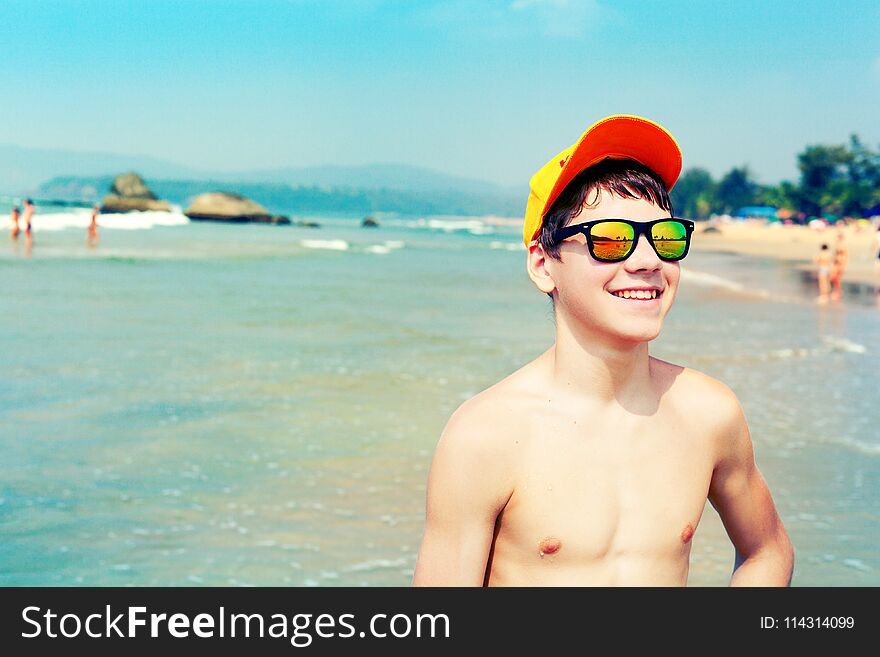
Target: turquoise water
<point x="203" y="404"/>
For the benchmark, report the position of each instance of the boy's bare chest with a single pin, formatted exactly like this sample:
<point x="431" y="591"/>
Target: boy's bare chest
<point x="593" y="490"/>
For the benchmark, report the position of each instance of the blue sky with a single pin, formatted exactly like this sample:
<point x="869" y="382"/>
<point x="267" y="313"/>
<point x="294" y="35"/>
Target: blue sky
<point x="488" y="90"/>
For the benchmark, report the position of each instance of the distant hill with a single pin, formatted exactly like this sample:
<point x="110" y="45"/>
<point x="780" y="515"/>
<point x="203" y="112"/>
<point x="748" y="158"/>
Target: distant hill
<point x="290" y="200"/>
<point x="86" y="176"/>
<point x="22" y="170"/>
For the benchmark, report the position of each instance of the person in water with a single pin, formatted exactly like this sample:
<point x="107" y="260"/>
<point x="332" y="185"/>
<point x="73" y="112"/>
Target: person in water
<point x="592" y="464"/>
<point x="92" y="231"/>
<point x="823" y="261"/>
<point x="838" y="267"/>
<point x="28" y="228"/>
<point x="14" y="217"/>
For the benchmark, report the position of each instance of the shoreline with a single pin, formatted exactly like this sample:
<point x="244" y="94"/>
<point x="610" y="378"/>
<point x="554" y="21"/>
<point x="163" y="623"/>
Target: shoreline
<point x="794" y="243"/>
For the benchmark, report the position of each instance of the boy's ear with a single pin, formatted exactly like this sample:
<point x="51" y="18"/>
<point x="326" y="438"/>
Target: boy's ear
<point x="537" y="262"/>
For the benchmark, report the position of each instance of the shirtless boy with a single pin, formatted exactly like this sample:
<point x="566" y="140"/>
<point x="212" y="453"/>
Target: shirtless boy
<point x="591" y="465"/>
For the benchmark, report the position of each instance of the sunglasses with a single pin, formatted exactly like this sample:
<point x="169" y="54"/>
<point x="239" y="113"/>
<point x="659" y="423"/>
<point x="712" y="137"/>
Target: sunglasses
<point x="613" y="240"/>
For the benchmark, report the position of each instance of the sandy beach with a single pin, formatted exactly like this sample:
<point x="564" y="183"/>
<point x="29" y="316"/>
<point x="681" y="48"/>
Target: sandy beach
<point x="799" y="243"/>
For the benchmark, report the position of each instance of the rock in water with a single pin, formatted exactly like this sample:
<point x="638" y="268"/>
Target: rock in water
<point x="129" y="193"/>
<point x="131" y="185"/>
<point x="369" y="222"/>
<point x="223" y="206"/>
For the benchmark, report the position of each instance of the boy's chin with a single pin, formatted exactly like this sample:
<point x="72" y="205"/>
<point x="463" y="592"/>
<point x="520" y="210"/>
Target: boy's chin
<point x="640" y="331"/>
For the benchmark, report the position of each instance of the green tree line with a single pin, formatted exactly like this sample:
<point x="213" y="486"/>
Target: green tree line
<point x="835" y="181"/>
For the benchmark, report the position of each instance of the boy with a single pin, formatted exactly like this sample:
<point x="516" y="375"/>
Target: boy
<point x="591" y="465"/>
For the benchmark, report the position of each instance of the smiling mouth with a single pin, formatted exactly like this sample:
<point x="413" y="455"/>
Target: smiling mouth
<point x="640" y="295"/>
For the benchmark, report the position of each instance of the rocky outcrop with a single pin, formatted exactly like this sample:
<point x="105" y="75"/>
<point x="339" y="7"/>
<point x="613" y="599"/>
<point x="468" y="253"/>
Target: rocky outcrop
<point x="369" y="222"/>
<point x="129" y="193"/>
<point x="223" y="206"/>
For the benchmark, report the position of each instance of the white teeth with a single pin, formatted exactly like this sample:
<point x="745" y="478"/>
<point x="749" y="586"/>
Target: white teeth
<point x="637" y="294"/>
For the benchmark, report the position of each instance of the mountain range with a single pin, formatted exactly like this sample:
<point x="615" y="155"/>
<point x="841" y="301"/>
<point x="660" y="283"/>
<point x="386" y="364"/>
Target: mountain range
<point x="75" y="175"/>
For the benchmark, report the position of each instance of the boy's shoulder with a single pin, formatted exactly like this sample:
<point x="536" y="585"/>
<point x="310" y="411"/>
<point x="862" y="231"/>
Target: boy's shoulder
<point x="493" y="418"/>
<point x="708" y="405"/>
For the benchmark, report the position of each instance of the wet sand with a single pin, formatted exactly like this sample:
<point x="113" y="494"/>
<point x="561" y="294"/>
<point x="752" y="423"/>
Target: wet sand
<point x="798" y="243"/>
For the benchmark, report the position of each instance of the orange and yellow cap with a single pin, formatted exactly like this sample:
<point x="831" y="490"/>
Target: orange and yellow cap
<point x="619" y="137"/>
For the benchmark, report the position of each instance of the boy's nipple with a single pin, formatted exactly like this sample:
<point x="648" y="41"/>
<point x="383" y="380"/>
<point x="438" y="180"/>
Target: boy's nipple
<point x="549" y="545"/>
<point x="687" y="534"/>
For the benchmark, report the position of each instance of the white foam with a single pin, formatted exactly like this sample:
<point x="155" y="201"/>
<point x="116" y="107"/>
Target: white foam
<point x="334" y="245"/>
<point x="378" y="248"/>
<point x="376" y="564"/>
<point x="80" y="218"/>
<point x="711" y="280"/>
<point x="494" y="220"/>
<point x="842" y="344"/>
<point x="858" y="564"/>
<point x="857" y="445"/>
<point x="394" y="244"/>
<point x="474" y="226"/>
<point x="507" y="246"/>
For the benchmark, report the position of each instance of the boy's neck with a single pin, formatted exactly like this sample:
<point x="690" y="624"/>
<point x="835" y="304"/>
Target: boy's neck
<point x="600" y="371"/>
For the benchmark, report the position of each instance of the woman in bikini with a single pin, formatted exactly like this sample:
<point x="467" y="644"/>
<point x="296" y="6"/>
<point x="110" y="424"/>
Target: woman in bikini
<point x="823" y="259"/>
<point x="841" y="257"/>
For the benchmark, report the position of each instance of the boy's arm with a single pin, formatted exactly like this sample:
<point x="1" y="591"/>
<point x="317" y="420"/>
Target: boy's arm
<point x="739" y="493"/>
<point x="468" y="486"/>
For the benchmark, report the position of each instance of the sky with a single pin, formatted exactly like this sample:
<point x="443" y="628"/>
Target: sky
<point x="488" y="90"/>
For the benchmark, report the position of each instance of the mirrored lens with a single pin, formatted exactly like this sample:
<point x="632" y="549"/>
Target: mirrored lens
<point x="670" y="239"/>
<point x="612" y="240"/>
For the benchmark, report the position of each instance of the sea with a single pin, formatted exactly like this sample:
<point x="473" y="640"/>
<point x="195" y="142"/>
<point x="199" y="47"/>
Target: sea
<point x="203" y="404"/>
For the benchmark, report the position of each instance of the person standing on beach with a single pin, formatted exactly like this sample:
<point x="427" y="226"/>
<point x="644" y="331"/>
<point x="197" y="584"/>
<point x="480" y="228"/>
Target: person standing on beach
<point x="823" y="260"/>
<point x="28" y="211"/>
<point x="838" y="266"/>
<point x="28" y="230"/>
<point x="13" y="217"/>
<point x="592" y="464"/>
<point x="92" y="231"/>
<point x="877" y="240"/>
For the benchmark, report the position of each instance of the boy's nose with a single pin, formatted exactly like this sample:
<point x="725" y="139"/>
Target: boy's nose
<point x="643" y="256"/>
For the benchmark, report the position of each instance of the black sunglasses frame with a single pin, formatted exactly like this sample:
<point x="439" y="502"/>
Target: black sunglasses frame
<point x="639" y="228"/>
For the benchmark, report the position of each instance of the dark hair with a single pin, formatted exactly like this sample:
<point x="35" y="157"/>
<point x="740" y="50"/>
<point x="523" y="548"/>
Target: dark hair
<point x="28" y="201"/>
<point x="824" y="247"/>
<point x="625" y="178"/>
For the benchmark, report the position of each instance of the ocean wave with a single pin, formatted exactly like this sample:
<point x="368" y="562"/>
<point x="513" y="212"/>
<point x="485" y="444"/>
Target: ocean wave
<point x="473" y="226"/>
<point x="869" y="449"/>
<point x="334" y="245"/>
<point x="80" y="218"/>
<point x="386" y="247"/>
<point x="711" y="280"/>
<point x="507" y="246"/>
<point x="842" y="344"/>
<point x="830" y="344"/>
<point x="857" y="564"/>
<point x="376" y="564"/>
